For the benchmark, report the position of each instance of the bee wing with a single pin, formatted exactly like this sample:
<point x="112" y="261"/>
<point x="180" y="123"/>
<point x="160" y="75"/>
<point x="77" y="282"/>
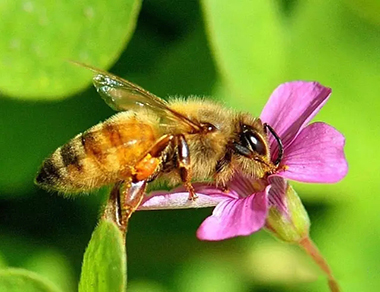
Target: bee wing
<point x="122" y="95"/>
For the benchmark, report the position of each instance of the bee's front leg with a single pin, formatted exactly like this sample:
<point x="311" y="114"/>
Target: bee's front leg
<point x="183" y="156"/>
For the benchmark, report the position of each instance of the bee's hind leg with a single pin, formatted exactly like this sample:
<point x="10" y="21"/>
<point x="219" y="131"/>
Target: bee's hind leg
<point x="132" y="195"/>
<point x="124" y="199"/>
<point x="127" y="195"/>
<point x="183" y="156"/>
<point x="148" y="167"/>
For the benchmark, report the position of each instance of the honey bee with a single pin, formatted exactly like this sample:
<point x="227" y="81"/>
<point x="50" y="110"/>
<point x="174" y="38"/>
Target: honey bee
<point x="150" y="139"/>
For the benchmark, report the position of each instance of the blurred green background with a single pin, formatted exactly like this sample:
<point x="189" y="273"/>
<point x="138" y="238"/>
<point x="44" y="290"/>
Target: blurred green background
<point x="237" y="52"/>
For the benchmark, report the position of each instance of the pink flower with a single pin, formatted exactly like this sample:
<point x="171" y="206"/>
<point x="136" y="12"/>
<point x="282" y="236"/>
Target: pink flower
<point x="312" y="153"/>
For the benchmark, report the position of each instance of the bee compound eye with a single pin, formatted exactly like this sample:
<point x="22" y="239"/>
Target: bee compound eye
<point x="208" y="127"/>
<point x="254" y="142"/>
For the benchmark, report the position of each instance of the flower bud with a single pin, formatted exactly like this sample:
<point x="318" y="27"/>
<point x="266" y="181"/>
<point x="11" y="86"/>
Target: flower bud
<point x="287" y="217"/>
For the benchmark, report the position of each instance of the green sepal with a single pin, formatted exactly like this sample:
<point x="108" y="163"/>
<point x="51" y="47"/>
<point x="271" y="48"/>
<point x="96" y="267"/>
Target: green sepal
<point x="293" y="225"/>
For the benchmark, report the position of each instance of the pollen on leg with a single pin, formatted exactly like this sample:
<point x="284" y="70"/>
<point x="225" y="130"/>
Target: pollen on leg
<point x="146" y="167"/>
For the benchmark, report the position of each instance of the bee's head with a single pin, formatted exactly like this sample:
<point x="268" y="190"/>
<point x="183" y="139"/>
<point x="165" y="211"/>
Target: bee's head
<point x="251" y="143"/>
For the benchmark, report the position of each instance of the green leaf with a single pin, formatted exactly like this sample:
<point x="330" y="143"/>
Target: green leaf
<point x="366" y="9"/>
<point x="104" y="266"/>
<point x="248" y="44"/>
<point x="19" y="280"/>
<point x="38" y="37"/>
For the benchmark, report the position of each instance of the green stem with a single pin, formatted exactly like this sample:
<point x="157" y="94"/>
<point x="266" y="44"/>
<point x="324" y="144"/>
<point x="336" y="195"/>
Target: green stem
<point x="308" y="245"/>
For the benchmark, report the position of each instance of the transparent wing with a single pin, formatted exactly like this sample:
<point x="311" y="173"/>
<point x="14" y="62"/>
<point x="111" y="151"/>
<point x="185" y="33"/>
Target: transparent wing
<point x="122" y="95"/>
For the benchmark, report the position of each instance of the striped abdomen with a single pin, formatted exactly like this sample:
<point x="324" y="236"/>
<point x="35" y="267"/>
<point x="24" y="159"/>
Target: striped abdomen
<point x="102" y="155"/>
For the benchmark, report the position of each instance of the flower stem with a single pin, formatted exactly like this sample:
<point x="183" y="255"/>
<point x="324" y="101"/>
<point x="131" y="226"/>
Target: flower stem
<point x="309" y="246"/>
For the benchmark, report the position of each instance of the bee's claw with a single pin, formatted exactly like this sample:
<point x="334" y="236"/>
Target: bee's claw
<point x="192" y="196"/>
<point x="225" y="190"/>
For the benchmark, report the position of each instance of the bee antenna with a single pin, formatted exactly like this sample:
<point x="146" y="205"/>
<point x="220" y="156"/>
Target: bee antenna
<point x="279" y="142"/>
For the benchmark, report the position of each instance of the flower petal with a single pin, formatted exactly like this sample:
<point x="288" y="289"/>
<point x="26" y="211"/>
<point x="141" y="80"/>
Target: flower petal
<point x="277" y="194"/>
<point x="243" y="186"/>
<point x="208" y="196"/>
<point x="290" y="107"/>
<point x="316" y="155"/>
<point x="235" y="217"/>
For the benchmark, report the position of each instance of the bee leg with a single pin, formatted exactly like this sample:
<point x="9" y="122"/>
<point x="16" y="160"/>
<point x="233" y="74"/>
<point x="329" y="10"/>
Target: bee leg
<point x="127" y="195"/>
<point x="132" y="190"/>
<point x="124" y="199"/>
<point x="130" y="197"/>
<point x="225" y="189"/>
<point x="183" y="156"/>
<point x="150" y="164"/>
